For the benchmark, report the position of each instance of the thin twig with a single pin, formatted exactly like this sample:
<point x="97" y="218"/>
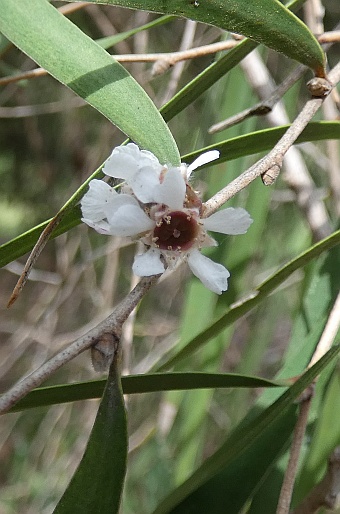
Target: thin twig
<point x="263" y="107"/>
<point x="325" y="342"/>
<point x="271" y="164"/>
<point x="27" y="111"/>
<point x="112" y="324"/>
<point x="330" y="37"/>
<point x="295" y="172"/>
<point x="314" y="13"/>
<point x="71" y="8"/>
<point x="163" y="65"/>
<point x="267" y="104"/>
<point x="326" y="492"/>
<point x="174" y="57"/>
<point x="38" y="248"/>
<point x="298" y="436"/>
<point x="170" y="58"/>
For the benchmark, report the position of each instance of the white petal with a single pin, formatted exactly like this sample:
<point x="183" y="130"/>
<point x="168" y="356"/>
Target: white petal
<point x="129" y="220"/>
<point x="213" y="275"/>
<point x="206" y="157"/>
<point x="229" y="221"/>
<point x="102" y="227"/>
<point x="172" y="190"/>
<point x="119" y="201"/>
<point x="148" y="263"/>
<point x="125" y="161"/>
<point x="144" y="183"/>
<point x="96" y="200"/>
<point x="149" y="159"/>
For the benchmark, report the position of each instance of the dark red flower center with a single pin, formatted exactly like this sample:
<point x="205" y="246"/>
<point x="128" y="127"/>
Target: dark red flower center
<point x="176" y="231"/>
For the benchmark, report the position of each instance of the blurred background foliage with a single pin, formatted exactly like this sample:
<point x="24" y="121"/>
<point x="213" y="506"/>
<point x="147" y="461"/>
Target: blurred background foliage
<point x="49" y="144"/>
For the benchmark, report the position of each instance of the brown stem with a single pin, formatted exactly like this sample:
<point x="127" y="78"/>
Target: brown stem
<point x="332" y="479"/>
<point x="290" y="474"/>
<point x="169" y="58"/>
<point x="111" y="325"/>
<point x="326" y="492"/>
<point x="263" y="107"/>
<point x="270" y="165"/>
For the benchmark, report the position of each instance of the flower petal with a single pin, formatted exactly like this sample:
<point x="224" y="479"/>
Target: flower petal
<point x="126" y="160"/>
<point x="129" y="220"/>
<point x="206" y="157"/>
<point x="172" y="190"/>
<point x="144" y="183"/>
<point x="94" y="203"/>
<point x="102" y="227"/>
<point x="148" y="263"/>
<point x="213" y="275"/>
<point x="229" y="221"/>
<point x="119" y="200"/>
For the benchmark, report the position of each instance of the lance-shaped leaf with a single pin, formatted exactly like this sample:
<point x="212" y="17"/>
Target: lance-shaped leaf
<point x="265" y="21"/>
<point x="140" y="384"/>
<point x="233" y="486"/>
<point x="97" y="484"/>
<point x="240" y="441"/>
<point x="56" y="44"/>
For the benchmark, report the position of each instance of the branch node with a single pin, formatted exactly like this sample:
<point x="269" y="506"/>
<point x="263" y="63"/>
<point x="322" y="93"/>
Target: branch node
<point x="319" y="87"/>
<point x="325" y="493"/>
<point x="104" y="350"/>
<point x="160" y="66"/>
<point x="270" y="176"/>
<point x="307" y="394"/>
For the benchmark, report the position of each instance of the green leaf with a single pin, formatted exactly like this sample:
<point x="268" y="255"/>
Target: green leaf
<point x="98" y="481"/>
<point x="25" y="242"/>
<point x="237" y="481"/>
<point x="263" y="140"/>
<point x="108" y="41"/>
<point x="74" y="59"/>
<point x="139" y="384"/>
<point x="265" y="21"/>
<point x="244" y="437"/>
<point x="207" y="78"/>
<point x="319" y="294"/>
<point x="230" y="149"/>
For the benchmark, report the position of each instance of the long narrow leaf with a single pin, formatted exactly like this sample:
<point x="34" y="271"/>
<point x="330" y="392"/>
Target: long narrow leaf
<point x="202" y="82"/>
<point x="244" y="472"/>
<point x="97" y="484"/>
<point x="264" y="21"/>
<point x="73" y="58"/>
<point x="242" y="439"/>
<point x="229" y="490"/>
<point x="108" y="41"/>
<point x="139" y="384"/>
<point x="263" y="140"/>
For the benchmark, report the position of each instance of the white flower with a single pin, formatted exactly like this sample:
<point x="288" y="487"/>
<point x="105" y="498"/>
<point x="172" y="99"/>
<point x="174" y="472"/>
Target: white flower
<point x="157" y="206"/>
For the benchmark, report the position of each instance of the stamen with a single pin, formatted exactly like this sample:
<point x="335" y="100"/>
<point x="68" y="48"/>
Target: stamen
<point x="180" y="230"/>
